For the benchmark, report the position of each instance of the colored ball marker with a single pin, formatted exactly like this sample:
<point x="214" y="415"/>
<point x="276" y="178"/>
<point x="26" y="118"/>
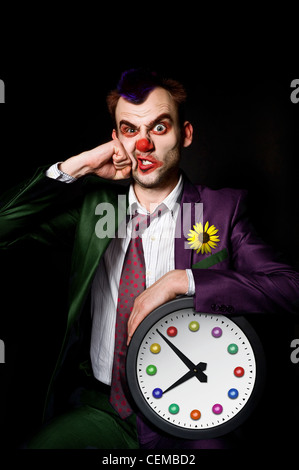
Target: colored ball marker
<point x="151" y="370"/>
<point x="173" y="408"/>
<point x="239" y="372"/>
<point x="232" y="348"/>
<point x="195" y="415"/>
<point x="172" y="331"/>
<point x="194" y="326"/>
<point x="216" y="332"/>
<point x="233" y="393"/>
<point x="217" y="409"/>
<point x="157" y="393"/>
<point x="155" y="348"/>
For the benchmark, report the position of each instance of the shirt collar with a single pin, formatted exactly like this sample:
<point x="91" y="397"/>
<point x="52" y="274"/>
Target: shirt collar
<point x="170" y="201"/>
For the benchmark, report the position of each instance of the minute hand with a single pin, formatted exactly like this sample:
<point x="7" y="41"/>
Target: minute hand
<point x="198" y="373"/>
<point x="179" y="353"/>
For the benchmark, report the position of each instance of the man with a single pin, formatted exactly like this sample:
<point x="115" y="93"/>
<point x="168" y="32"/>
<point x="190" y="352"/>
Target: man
<point x="242" y="277"/>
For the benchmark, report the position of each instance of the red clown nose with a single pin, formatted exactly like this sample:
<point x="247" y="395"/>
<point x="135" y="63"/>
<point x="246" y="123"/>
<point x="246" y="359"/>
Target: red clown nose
<point x="143" y="145"/>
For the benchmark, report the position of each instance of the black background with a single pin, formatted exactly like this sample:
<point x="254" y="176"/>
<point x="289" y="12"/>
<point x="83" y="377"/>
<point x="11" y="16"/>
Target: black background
<point x="246" y="136"/>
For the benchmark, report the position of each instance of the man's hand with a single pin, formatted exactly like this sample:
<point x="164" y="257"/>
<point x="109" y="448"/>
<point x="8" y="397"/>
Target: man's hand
<point x="166" y="288"/>
<point x="109" y="161"/>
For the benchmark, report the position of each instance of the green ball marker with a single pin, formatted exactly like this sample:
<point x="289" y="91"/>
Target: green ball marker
<point x="151" y="370"/>
<point x="232" y="348"/>
<point x="174" y="409"/>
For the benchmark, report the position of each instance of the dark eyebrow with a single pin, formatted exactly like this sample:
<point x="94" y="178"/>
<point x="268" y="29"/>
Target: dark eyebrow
<point x="160" y="118"/>
<point x="151" y="124"/>
<point x="127" y="123"/>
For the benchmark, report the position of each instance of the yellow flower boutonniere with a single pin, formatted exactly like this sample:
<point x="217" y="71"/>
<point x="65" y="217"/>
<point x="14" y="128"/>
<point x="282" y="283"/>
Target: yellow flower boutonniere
<point x="203" y="239"/>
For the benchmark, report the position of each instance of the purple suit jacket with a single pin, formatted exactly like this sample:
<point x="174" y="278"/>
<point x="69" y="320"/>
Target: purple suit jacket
<point x="246" y="277"/>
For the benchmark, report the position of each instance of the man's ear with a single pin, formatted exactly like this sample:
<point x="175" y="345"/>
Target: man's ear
<point x="114" y="136"/>
<point x="187" y="134"/>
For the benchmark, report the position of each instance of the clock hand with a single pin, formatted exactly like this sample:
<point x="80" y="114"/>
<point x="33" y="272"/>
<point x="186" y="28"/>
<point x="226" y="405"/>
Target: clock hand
<point x="196" y="369"/>
<point x="179" y="353"/>
<point x="196" y="372"/>
<point x="183" y="379"/>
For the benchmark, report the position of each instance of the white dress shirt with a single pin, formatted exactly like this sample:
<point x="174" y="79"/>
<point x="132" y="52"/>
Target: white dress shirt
<point x="158" y="247"/>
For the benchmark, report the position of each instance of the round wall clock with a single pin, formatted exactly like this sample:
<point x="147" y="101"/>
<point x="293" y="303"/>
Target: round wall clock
<point x="195" y="375"/>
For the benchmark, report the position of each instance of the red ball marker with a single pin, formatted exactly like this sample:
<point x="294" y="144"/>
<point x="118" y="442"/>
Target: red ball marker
<point x="143" y="145"/>
<point x="239" y="372"/>
<point x="172" y="331"/>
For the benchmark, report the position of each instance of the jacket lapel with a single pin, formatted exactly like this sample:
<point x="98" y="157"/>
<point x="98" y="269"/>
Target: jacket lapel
<point x="190" y="212"/>
<point x="89" y="247"/>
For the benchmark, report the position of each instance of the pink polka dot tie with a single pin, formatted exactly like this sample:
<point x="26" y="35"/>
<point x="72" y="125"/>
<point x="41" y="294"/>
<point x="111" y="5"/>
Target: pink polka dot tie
<point x="132" y="283"/>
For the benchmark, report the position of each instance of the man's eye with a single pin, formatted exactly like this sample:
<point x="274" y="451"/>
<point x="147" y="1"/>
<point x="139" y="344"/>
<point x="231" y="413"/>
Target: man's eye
<point x="128" y="131"/>
<point x="159" y="128"/>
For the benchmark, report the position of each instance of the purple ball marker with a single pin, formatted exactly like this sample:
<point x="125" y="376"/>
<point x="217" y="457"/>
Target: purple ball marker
<point x="217" y="409"/>
<point x="216" y="332"/>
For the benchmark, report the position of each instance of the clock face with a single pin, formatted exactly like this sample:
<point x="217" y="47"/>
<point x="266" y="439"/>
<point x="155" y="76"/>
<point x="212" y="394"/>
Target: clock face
<point x="193" y="374"/>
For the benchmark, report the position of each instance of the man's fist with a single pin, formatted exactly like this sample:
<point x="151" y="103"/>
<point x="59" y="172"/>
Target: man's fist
<point x="109" y="161"/>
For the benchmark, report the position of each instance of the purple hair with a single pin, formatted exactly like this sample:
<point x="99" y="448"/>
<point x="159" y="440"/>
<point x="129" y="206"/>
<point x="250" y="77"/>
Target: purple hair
<point x="135" y="84"/>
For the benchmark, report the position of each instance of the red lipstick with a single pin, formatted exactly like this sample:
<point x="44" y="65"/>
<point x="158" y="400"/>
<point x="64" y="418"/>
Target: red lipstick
<point x="147" y="164"/>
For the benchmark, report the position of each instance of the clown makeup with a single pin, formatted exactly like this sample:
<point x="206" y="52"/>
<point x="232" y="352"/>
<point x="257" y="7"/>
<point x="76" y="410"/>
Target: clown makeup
<point x="151" y="134"/>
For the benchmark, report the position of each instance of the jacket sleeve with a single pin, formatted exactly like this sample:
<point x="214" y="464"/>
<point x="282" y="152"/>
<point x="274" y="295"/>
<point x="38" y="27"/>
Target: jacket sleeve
<point x="257" y="281"/>
<point x="40" y="208"/>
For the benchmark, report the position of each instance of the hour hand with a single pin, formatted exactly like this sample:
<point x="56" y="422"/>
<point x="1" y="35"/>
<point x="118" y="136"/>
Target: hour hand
<point x="180" y="381"/>
<point x="196" y="372"/>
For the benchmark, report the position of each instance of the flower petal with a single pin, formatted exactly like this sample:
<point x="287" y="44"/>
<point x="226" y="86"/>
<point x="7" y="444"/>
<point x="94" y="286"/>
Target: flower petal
<point x="199" y="228"/>
<point x="207" y="248"/>
<point x="213" y="231"/>
<point x="212" y="244"/>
